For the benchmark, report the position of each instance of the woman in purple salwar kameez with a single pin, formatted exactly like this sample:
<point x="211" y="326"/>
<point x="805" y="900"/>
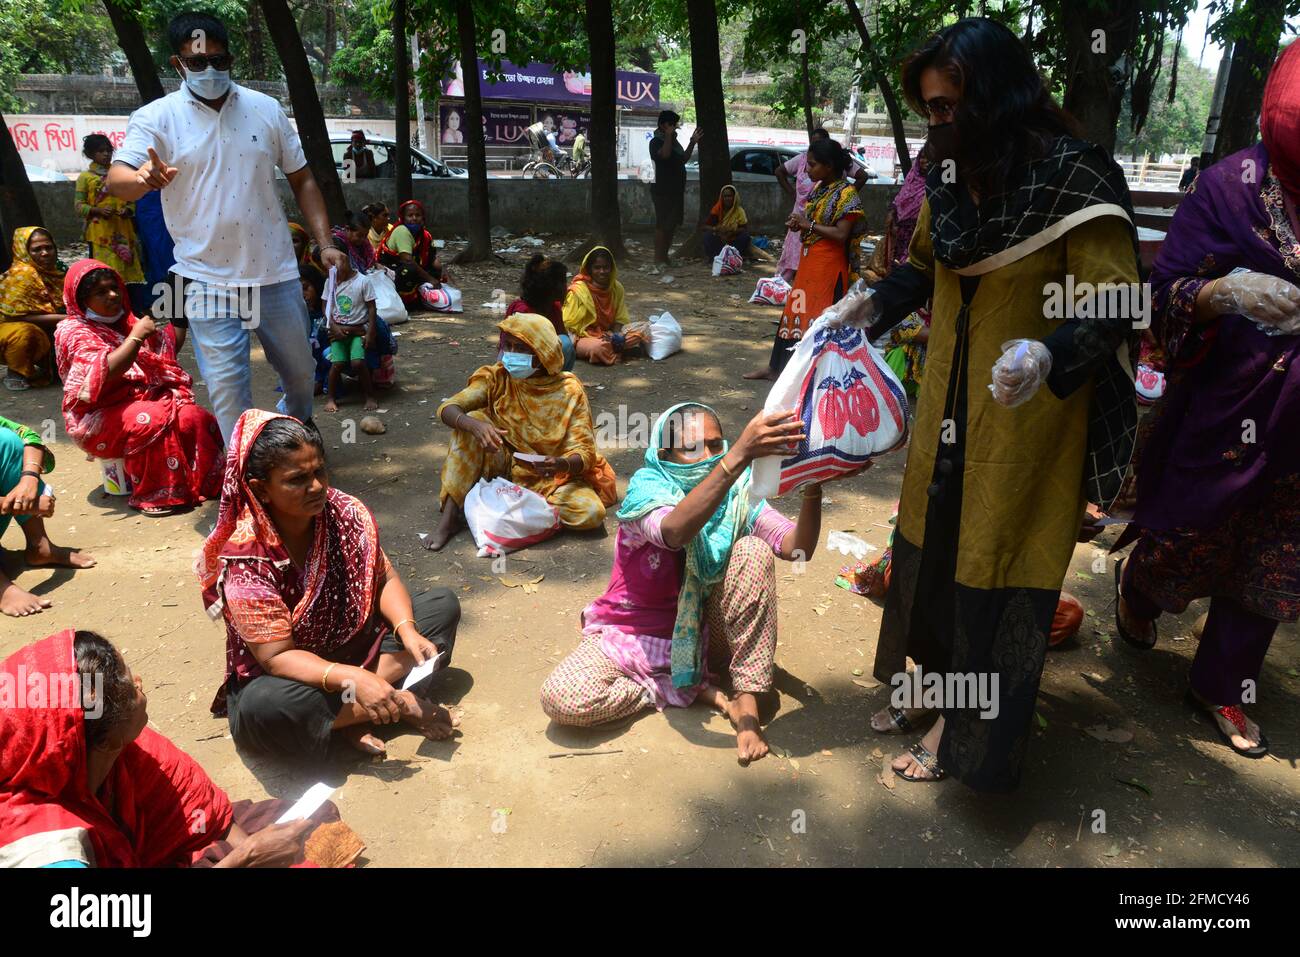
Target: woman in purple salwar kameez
<point x="1218" y="482"/>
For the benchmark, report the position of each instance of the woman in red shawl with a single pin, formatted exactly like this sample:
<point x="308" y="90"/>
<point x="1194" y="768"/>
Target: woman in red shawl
<point x="84" y="782"/>
<point x="320" y="630"/>
<point x="125" y="396"/>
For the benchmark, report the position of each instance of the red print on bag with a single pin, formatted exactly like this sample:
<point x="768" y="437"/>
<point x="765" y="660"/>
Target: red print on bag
<point x="847" y="403"/>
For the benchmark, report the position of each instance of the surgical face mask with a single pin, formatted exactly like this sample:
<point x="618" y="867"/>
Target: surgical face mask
<point x="93" y="316"/>
<point x="518" y="364"/>
<point x="211" y="84"/>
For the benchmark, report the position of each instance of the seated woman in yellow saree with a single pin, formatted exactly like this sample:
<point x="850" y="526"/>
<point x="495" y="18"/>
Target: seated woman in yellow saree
<point x="525" y="403"/>
<point x="31" y="305"/>
<point x="595" y="313"/>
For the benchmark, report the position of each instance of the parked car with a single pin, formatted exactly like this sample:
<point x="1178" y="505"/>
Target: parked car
<point x="755" y="162"/>
<point x="423" y="166"/>
<point x="752" y="162"/>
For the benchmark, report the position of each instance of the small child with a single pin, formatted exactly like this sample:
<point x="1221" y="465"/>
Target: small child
<point x="350" y="312"/>
<point x="313" y="293"/>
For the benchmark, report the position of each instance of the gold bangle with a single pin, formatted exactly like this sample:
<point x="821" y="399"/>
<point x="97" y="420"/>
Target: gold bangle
<point x="401" y="623"/>
<point x="723" y="463"/>
<point x="816" y="492"/>
<point x="325" y="677"/>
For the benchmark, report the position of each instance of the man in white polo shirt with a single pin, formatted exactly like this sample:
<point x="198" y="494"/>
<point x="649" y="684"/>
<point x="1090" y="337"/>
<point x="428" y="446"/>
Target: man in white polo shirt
<point x="212" y="148"/>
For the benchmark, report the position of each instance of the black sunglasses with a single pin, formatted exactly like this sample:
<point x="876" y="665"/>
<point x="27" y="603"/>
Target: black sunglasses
<point x="218" y="61"/>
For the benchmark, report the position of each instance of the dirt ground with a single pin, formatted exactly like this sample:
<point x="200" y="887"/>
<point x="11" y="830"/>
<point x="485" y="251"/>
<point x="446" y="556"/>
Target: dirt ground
<point x="666" y="789"/>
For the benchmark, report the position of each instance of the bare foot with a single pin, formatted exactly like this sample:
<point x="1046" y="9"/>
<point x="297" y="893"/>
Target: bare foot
<point x="331" y="406"/>
<point x="432" y="720"/>
<point x="46" y="553"/>
<point x="371" y="405"/>
<point x="359" y="736"/>
<point x="766" y="374"/>
<point x="17" y="603"/>
<point x="742" y="711"/>
<point x="448" y="525"/>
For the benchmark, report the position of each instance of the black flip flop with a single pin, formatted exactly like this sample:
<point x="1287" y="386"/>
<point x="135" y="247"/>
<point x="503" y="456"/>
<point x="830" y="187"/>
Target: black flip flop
<point x="1119" y="625"/>
<point x="1208" y="713"/>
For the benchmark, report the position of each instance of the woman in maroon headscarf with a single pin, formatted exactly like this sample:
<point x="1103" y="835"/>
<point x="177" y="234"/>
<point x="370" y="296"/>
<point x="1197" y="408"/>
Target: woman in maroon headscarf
<point x="1218" y="482"/>
<point x="125" y="395"/>
<point x="408" y="250"/>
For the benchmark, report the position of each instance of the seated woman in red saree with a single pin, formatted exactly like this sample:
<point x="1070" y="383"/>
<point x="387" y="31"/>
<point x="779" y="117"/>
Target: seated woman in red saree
<point x="125" y="396"/>
<point x="320" y="631"/>
<point x="85" y="783"/>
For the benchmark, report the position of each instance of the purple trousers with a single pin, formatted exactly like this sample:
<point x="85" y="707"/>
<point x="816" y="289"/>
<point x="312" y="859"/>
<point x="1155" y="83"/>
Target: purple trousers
<point x="1232" y="647"/>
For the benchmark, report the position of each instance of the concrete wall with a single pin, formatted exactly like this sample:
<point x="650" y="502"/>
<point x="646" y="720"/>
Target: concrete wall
<point x="518" y="205"/>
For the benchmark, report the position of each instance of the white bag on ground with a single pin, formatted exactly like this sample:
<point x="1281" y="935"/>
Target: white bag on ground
<point x="443" y="299"/>
<point x="728" y="261"/>
<point x="665" y="336"/>
<point x="505" y="517"/>
<point x="852" y="406"/>
<point x="771" y="291"/>
<point x="388" y="304"/>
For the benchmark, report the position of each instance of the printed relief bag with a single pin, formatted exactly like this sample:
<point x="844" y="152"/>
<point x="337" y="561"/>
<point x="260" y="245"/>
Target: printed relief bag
<point x="505" y="517"/>
<point x="728" y="261"/>
<point x="852" y="405"/>
<point x="771" y="291"/>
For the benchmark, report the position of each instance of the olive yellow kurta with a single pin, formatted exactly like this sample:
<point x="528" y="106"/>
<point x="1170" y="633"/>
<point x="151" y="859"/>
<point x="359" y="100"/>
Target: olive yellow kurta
<point x="1011" y="509"/>
<point x="1023" y="485"/>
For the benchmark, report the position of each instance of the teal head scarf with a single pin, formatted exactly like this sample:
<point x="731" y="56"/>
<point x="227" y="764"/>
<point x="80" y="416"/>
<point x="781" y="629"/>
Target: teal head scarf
<point x="662" y="483"/>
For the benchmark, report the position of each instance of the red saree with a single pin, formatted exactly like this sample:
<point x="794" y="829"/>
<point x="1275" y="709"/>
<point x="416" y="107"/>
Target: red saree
<point x="147" y="416"/>
<point x="156" y="809"/>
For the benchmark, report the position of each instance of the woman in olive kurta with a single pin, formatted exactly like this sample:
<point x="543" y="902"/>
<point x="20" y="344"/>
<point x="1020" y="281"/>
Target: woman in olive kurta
<point x="996" y="485"/>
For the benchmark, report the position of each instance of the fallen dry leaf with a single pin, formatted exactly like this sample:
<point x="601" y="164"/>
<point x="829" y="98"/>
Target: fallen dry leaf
<point x="1103" y="733"/>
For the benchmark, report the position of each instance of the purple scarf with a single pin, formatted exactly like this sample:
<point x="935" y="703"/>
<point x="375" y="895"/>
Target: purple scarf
<point x="1197" y="468"/>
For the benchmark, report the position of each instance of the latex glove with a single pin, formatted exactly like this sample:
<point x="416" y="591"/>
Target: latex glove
<point x="1022" y="368"/>
<point x="857" y="308"/>
<point x="1266" y="299"/>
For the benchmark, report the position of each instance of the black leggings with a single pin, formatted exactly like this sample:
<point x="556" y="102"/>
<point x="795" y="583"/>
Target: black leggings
<point x="284" y="718"/>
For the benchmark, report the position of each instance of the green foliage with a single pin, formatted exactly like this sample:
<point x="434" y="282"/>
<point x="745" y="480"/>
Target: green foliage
<point x="51" y="36"/>
<point x="1176" y="127"/>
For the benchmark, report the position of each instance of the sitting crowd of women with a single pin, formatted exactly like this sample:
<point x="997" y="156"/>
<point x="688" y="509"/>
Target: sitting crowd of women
<point x="1021" y="421"/>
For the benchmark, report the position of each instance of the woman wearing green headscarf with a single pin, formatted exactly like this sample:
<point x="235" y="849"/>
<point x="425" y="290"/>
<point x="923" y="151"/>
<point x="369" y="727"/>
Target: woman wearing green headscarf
<point x="692" y="596"/>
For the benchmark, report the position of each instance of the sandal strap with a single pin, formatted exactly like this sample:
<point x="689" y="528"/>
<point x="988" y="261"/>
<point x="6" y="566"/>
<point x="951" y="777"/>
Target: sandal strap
<point x="899" y="717"/>
<point x="1235" y="715"/>
<point x="925" y="758"/>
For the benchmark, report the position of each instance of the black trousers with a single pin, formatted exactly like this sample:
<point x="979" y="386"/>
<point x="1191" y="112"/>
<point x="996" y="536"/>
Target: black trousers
<point x="284" y="718"/>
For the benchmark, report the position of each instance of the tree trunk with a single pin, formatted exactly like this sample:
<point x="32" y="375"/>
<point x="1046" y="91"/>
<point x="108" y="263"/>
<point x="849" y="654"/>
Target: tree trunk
<point x="1094" y="88"/>
<point x="871" y="59"/>
<point x="331" y="40"/>
<point x="1252" y="57"/>
<point x="256" y="46"/>
<point x="710" y="114"/>
<point x="480" y="224"/>
<point x="18" y="206"/>
<point x="130" y="37"/>
<point x="307" y="110"/>
<point x="606" y="219"/>
<point x="402" y="103"/>
<point x="803" y="69"/>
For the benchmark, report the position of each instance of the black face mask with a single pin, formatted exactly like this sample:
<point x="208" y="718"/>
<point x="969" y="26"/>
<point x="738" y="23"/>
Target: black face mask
<point x="941" y="142"/>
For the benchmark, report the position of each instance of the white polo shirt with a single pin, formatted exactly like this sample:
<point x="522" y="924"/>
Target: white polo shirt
<point x="222" y="209"/>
